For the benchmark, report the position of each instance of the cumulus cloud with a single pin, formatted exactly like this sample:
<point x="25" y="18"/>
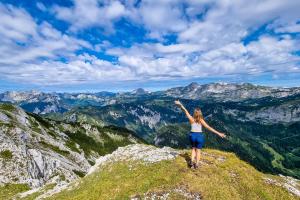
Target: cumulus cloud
<point x="208" y="40"/>
<point x="265" y="55"/>
<point x="268" y="54"/>
<point x="292" y="27"/>
<point x="90" y="13"/>
<point x="26" y="40"/>
<point x="81" y="69"/>
<point x="162" y="17"/>
<point x="16" y="24"/>
<point x="231" y="21"/>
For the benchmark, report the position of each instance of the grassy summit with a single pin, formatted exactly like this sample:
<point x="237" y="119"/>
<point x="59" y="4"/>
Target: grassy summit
<point x="221" y="176"/>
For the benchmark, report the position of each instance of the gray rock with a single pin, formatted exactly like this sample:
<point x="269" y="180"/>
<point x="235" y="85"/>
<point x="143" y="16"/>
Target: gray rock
<point x="136" y="152"/>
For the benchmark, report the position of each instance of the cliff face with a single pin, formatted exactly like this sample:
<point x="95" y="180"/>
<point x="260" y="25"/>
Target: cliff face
<point x="37" y="151"/>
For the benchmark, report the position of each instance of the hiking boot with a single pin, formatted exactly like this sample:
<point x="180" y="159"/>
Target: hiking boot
<point x="196" y="165"/>
<point x="190" y="164"/>
<point x="193" y="166"/>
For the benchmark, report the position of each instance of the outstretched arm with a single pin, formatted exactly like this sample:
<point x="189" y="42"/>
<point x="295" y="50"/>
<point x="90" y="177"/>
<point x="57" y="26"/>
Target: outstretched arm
<point x="188" y="115"/>
<point x="203" y="122"/>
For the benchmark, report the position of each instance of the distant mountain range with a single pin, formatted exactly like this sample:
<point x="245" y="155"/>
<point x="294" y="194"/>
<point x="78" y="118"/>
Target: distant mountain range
<point x="44" y="103"/>
<point x="262" y="122"/>
<point x="229" y="92"/>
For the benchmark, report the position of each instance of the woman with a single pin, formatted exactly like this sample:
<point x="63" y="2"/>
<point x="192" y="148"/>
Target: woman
<point x="196" y="136"/>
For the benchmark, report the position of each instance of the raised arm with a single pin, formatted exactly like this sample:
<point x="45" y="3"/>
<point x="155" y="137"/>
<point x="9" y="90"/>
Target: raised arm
<point x="188" y="115"/>
<point x="203" y="122"/>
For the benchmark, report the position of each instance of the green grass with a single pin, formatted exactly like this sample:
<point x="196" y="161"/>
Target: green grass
<point x="9" y="190"/>
<point x="6" y="154"/>
<point x="91" y="162"/>
<point x="72" y="145"/>
<point x="55" y="148"/>
<point x="118" y="182"/>
<point x="34" y="195"/>
<point x="9" y="125"/>
<point x="7" y="107"/>
<point x="41" y="120"/>
<point x="35" y="120"/>
<point x="79" y="173"/>
<point x="213" y="180"/>
<point x="89" y="144"/>
<point x="277" y="158"/>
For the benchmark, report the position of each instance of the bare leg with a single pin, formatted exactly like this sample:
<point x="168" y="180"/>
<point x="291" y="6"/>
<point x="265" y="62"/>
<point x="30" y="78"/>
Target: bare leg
<point x="197" y="155"/>
<point x="193" y="155"/>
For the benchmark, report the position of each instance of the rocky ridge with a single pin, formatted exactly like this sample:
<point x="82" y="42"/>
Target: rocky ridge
<point x="229" y="91"/>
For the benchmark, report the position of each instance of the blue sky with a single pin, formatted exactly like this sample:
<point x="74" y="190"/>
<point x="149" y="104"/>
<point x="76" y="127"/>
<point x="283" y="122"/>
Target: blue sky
<point x="93" y="45"/>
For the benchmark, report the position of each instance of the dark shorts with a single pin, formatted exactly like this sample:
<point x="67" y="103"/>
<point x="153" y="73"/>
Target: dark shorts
<point x="196" y="139"/>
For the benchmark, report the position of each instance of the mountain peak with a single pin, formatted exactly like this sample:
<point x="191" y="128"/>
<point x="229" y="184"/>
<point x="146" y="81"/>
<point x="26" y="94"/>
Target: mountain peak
<point x="140" y="91"/>
<point x="193" y="85"/>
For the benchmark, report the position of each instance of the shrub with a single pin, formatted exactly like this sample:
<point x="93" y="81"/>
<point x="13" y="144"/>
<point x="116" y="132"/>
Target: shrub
<point x="6" y="154"/>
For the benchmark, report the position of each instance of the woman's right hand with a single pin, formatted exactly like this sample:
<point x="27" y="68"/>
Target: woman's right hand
<point x="222" y="135"/>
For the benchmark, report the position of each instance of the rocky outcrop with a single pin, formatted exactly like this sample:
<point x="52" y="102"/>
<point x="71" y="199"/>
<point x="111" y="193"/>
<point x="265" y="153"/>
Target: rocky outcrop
<point x="291" y="184"/>
<point x="37" y="157"/>
<point x="136" y="152"/>
<point x="37" y="151"/>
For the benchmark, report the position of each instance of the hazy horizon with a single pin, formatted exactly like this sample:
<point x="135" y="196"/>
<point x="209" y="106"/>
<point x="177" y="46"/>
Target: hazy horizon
<point x="145" y="88"/>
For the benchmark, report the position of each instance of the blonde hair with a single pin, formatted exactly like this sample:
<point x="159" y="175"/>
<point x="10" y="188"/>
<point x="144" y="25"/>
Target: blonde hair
<point x="197" y="115"/>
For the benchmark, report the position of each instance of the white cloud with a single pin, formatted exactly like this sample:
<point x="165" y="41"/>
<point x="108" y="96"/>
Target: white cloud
<point x="230" y="21"/>
<point x="183" y="48"/>
<point x="157" y="61"/>
<point x="81" y="69"/>
<point x="16" y="24"/>
<point x="41" y="6"/>
<point x="24" y="41"/>
<point x="266" y="54"/>
<point x="115" y="10"/>
<point x="208" y="44"/>
<point x="90" y="13"/>
<point x="221" y="21"/>
<point x="288" y="28"/>
<point x="162" y="17"/>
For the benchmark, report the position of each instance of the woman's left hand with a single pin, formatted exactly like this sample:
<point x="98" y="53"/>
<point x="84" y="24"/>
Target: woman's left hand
<point x="222" y="135"/>
<point x="177" y="102"/>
